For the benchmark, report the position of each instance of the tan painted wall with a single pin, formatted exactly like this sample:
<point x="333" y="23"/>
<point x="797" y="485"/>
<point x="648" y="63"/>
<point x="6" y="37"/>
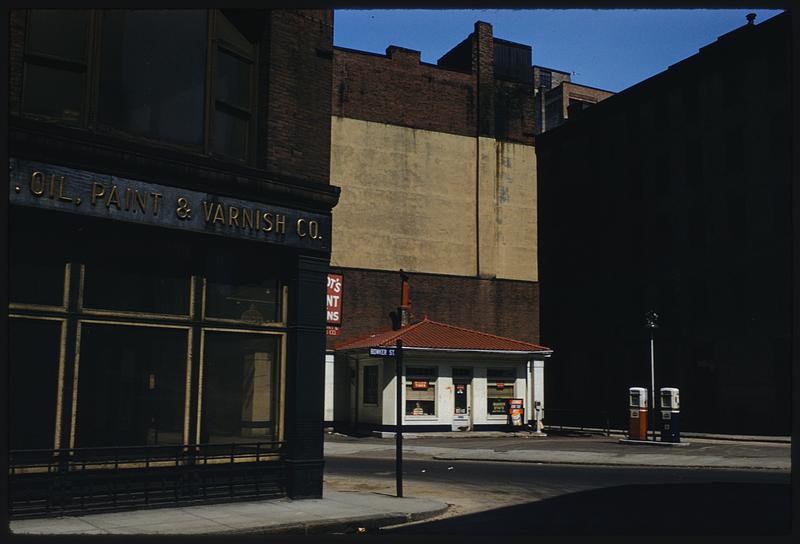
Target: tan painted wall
<point x="409" y="201"/>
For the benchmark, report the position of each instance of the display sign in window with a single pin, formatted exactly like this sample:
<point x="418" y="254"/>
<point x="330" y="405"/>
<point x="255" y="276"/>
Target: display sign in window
<point x="499" y="389"/>
<point x="421" y="392"/>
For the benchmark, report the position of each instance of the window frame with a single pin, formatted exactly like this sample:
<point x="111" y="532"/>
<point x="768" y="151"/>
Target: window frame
<point x="90" y="92"/>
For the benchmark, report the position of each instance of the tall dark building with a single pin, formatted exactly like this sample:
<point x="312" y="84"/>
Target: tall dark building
<point x="169" y="229"/>
<point x="674" y="196"/>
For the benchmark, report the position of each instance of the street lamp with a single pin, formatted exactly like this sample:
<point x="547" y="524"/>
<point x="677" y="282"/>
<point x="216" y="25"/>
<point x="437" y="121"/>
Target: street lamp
<point x="650" y="322"/>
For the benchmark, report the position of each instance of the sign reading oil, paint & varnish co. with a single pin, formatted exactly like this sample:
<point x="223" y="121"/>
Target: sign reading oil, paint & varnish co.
<point x="54" y="187"/>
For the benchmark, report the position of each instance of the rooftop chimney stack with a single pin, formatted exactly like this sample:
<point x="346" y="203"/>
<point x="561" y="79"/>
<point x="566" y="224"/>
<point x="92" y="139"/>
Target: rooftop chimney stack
<point x="405" y="302"/>
<point x="750" y="18"/>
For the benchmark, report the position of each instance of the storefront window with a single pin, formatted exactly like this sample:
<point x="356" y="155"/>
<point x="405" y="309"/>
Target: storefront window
<point x="236" y="290"/>
<point x="499" y="388"/>
<point x="37" y="281"/>
<point x="240" y="387"/>
<point x="131" y="385"/>
<point x="126" y="286"/>
<point x="34" y="347"/>
<point x="421" y="391"/>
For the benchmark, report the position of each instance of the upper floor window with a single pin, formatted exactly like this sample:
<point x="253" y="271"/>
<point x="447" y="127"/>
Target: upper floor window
<point x="180" y="77"/>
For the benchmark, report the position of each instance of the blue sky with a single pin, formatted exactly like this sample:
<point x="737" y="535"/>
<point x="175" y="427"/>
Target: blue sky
<point x="608" y="49"/>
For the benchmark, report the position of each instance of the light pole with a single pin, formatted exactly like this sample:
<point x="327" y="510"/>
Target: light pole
<point x="650" y="322"/>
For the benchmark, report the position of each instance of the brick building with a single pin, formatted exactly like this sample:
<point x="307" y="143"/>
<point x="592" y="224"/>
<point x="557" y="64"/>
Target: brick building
<point x="438" y="173"/>
<point x="557" y="98"/>
<point x="169" y="218"/>
<point x="680" y="203"/>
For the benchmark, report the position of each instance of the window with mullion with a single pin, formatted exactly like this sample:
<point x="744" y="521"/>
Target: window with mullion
<point x="56" y="64"/>
<point x="233" y="102"/>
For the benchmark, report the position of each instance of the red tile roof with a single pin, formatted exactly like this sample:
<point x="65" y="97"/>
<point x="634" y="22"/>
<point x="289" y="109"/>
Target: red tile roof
<point x="428" y="334"/>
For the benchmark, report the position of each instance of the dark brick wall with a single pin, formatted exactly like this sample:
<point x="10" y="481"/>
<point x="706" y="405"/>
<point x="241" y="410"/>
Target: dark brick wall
<point x="396" y="89"/>
<point x="299" y="115"/>
<point x="503" y="307"/>
<point x="458" y="96"/>
<point x="680" y="203"/>
<point x="16" y="45"/>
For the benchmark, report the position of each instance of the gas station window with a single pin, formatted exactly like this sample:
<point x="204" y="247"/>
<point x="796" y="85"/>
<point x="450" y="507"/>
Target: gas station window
<point x="421" y="392"/>
<point x="499" y="388"/>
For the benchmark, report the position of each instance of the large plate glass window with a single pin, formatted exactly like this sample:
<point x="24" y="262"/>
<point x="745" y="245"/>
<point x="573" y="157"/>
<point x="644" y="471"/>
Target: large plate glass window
<point x="499" y="388"/>
<point x="421" y="391"/>
<point x="240" y="387"/>
<point x="34" y="358"/>
<point x="131" y="385"/>
<point x="240" y="291"/>
<point x="151" y="287"/>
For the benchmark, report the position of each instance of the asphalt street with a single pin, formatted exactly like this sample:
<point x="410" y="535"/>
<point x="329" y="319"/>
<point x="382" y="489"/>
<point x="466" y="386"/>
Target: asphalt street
<point x="524" y="498"/>
<point x="507" y="498"/>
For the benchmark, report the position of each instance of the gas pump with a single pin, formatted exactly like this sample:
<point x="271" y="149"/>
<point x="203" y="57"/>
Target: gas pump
<point x="637" y="403"/>
<point x="670" y="415"/>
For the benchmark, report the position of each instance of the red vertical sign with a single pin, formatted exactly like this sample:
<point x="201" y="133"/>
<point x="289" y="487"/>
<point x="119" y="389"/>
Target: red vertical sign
<point x="334" y="302"/>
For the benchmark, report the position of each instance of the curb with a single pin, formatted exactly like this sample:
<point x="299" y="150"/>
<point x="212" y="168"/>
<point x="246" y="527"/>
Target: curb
<point x="338" y="526"/>
<point x="606" y="464"/>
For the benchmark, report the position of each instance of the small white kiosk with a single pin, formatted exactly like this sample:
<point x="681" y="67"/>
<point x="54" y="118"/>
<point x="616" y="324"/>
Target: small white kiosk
<point x="455" y="379"/>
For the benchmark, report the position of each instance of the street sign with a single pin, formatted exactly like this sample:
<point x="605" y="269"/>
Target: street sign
<point x="381" y="352"/>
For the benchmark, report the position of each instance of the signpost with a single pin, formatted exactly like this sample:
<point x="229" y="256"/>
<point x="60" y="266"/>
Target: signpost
<point x="399" y="418"/>
<point x="397" y="353"/>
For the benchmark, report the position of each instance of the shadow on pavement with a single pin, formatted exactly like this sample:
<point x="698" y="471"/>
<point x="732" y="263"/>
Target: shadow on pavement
<point x="664" y="509"/>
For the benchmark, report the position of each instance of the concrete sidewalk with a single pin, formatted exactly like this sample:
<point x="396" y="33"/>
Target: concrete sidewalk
<point x="336" y="512"/>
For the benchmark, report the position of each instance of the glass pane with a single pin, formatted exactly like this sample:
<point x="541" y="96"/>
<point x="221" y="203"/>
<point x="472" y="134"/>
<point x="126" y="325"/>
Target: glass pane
<point x="131" y="386"/>
<point x="59" y="32"/>
<point x="240" y="387"/>
<point x="230" y="135"/>
<point x="233" y="79"/>
<point x="34" y="347"/>
<point x="421" y="402"/>
<point x="53" y="92"/>
<point x="36" y="281"/>
<point x="152" y="80"/>
<point x="131" y="286"/>
<point x="242" y="293"/>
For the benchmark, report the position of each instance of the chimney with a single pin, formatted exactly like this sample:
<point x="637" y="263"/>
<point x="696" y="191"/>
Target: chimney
<point x="405" y="302"/>
<point x="750" y="18"/>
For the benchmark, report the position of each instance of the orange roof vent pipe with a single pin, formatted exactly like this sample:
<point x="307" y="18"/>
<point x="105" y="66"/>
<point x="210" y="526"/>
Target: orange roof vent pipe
<point x="405" y="301"/>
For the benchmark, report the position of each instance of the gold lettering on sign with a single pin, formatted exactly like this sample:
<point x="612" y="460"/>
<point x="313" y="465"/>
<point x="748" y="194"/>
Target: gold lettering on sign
<point x="207" y="210"/>
<point x="247" y="218"/>
<point x="267" y="227"/>
<point x="97" y="192"/>
<point x="313" y="230"/>
<point x="52" y="186"/>
<point x="280" y="223"/>
<point x="61" y="196"/>
<point x="113" y="198"/>
<point x="300" y="228"/>
<point x="183" y="210"/>
<point x="156" y="202"/>
<point x="233" y="216"/>
<point x="141" y="199"/>
<point x="37" y="184"/>
<point x="219" y="215"/>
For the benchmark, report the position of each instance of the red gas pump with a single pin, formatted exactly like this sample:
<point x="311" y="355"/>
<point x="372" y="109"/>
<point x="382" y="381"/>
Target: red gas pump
<point x="637" y="427"/>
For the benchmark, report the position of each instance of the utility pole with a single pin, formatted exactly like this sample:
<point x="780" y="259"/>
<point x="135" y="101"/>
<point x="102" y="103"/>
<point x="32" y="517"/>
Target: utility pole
<point x="651" y="324"/>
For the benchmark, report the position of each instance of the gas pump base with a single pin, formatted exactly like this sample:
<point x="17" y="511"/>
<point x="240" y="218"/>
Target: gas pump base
<point x="652" y="443"/>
